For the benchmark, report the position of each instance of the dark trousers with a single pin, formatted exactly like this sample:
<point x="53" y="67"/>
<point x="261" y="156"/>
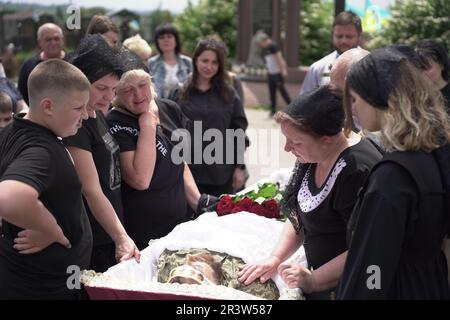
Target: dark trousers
<point x="217" y="190"/>
<point x="276" y="81"/>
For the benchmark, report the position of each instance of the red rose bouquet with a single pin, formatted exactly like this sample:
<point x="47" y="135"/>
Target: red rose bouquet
<point x="263" y="201"/>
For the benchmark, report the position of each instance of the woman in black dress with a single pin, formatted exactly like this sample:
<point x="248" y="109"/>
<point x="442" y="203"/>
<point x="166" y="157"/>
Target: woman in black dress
<point x="319" y="199"/>
<point x="95" y="155"/>
<point x="214" y="106"/>
<point x="401" y="218"/>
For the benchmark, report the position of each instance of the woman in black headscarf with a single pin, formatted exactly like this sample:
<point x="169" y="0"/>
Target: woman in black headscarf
<point x="401" y="216"/>
<point x="436" y="65"/>
<point x="320" y="196"/>
<point x="96" y="156"/>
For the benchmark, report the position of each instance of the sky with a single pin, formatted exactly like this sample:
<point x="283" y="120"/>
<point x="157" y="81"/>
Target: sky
<point x="176" y="6"/>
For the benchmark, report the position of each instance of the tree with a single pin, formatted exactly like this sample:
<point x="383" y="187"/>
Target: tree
<point x="158" y="16"/>
<point x="207" y="18"/>
<point x="219" y="17"/>
<point x="413" y="20"/>
<point x="90" y="12"/>
<point x="315" y="30"/>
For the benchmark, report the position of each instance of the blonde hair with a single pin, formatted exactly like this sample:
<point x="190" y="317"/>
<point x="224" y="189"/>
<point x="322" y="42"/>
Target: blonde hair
<point x="127" y="79"/>
<point x="138" y="46"/>
<point x="415" y="118"/>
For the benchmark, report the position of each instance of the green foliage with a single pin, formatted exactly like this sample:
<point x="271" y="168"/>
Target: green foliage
<point x="90" y="12"/>
<point x="262" y="192"/>
<point x="315" y="30"/>
<point x="158" y="16"/>
<point x="413" y="20"/>
<point x="207" y="18"/>
<point x="23" y="55"/>
<point x="219" y="17"/>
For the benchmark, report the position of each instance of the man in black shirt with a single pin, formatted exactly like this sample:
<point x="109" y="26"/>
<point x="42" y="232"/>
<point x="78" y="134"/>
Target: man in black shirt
<point x="276" y="71"/>
<point x="45" y="227"/>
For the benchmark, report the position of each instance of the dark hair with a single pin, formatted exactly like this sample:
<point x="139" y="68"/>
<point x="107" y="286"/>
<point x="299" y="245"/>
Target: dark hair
<point x="409" y="53"/>
<point x="220" y="80"/>
<point x="101" y="24"/>
<point x="165" y="28"/>
<point x="319" y="112"/>
<point x="96" y="59"/>
<point x="348" y="18"/>
<point x="430" y="49"/>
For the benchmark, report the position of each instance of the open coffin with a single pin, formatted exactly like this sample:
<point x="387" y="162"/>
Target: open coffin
<point x="244" y="235"/>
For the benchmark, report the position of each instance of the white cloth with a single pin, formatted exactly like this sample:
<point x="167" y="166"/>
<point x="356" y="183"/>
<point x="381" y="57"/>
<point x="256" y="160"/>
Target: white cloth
<point x="171" y="79"/>
<point x="319" y="73"/>
<point x="281" y="176"/>
<point x="272" y="64"/>
<point x="244" y="235"/>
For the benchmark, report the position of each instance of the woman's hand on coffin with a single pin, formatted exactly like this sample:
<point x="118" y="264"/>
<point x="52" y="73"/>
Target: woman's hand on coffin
<point x="263" y="270"/>
<point x="32" y="241"/>
<point x="297" y="276"/>
<point x="126" y="249"/>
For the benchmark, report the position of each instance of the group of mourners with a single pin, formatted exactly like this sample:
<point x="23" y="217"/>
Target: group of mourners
<point x="372" y="210"/>
<point x="88" y="177"/>
<point x="91" y="161"/>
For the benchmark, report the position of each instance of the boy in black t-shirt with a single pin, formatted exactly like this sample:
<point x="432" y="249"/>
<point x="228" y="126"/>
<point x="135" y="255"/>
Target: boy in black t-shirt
<point x="45" y="228"/>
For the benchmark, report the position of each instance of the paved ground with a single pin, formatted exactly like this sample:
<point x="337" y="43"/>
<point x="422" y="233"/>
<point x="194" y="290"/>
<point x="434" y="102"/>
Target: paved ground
<point x="266" y="152"/>
<point x="257" y="93"/>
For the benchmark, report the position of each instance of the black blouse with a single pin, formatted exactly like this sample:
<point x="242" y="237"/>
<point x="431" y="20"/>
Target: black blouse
<point x="325" y="211"/>
<point x="210" y="111"/>
<point x="395" y="250"/>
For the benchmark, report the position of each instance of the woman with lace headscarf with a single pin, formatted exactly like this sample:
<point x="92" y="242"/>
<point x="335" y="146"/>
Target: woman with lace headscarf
<point x="320" y="196"/>
<point x="96" y="155"/>
<point x="401" y="217"/>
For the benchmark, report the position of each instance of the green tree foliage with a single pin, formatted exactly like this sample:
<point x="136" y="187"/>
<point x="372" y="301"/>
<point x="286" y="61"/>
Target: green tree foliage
<point x="207" y="18"/>
<point x="158" y="16"/>
<point x="220" y="17"/>
<point x="90" y="12"/>
<point x="315" y="30"/>
<point x="413" y="20"/>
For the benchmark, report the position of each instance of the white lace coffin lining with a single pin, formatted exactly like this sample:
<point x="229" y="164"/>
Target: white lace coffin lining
<point x="306" y="200"/>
